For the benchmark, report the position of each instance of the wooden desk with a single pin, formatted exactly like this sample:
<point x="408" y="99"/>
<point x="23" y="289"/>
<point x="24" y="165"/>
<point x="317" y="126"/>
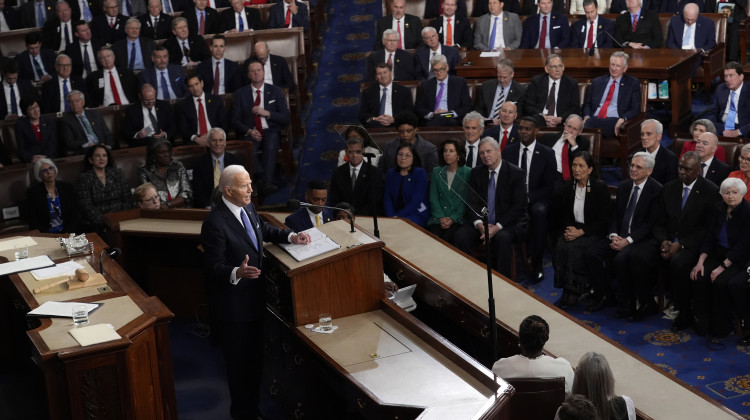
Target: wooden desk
<point x="660" y="64"/>
<point x="129" y="378"/>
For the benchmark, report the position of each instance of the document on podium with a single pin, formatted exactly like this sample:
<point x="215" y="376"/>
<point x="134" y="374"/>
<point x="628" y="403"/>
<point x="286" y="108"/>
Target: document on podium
<point x="319" y="244"/>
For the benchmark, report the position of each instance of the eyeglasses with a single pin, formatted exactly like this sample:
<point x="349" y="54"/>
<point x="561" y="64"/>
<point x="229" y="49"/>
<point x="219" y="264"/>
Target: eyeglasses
<point x="745" y="159"/>
<point x="439" y="69"/>
<point x="405" y="155"/>
<point x="51" y="169"/>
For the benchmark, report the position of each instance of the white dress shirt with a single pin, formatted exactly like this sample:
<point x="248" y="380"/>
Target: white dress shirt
<point x="109" y="97"/>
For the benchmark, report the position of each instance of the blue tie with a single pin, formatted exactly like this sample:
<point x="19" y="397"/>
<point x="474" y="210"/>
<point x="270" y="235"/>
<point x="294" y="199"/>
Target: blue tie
<point x="493" y="34"/>
<point x="625" y="228"/>
<point x="86" y="12"/>
<point x="41" y="17"/>
<point x="128" y="8"/>
<point x="65" y="95"/>
<point x="491" y="198"/>
<point x="685" y="195"/>
<point x="249" y="228"/>
<point x="239" y="23"/>
<point x="131" y="64"/>
<point x="13" y="105"/>
<point x="688" y="34"/>
<point x="382" y="101"/>
<point x="67" y="35"/>
<point x="732" y="114"/>
<point x="164" y="88"/>
<point x="439" y="96"/>
<point x="167" y="7"/>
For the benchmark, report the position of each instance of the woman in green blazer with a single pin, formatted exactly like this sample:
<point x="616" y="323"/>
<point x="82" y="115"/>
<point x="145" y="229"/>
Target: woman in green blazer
<point x="448" y="189"/>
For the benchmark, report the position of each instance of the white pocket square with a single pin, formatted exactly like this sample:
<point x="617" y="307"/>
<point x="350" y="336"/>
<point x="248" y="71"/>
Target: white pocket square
<point x="270" y="102"/>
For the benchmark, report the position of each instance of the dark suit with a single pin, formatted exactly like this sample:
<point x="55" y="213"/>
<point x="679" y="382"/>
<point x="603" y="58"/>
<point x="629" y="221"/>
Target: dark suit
<point x="122" y="58"/>
<point x="175" y="77"/>
<point x="558" y="31"/>
<point x="196" y="44"/>
<point x="463" y="34"/>
<point x="628" y="102"/>
<point x="24" y="90"/>
<point x="405" y="65"/>
<point x="412" y="36"/>
<point x="237" y="310"/>
<point x="366" y="194"/>
<point x="203" y="177"/>
<point x="76" y="57"/>
<point x="187" y="115"/>
<point x="133" y="122"/>
<point x="458" y="100"/>
<point x="300" y="219"/>
<point x="423" y="55"/>
<point x="369" y="104"/>
<point x="11" y="17"/>
<point x="95" y="6"/>
<point x="510" y="213"/>
<point x="567" y="102"/>
<point x="705" y="33"/>
<point x="52" y="34"/>
<point x="485" y="100"/>
<point x="665" y="168"/>
<point x="551" y="139"/>
<point x="206" y="71"/>
<point x="596" y="209"/>
<point x="277" y="18"/>
<point x="71" y="131"/>
<point x="28" y="145"/>
<point x="102" y="32"/>
<point x="717" y="172"/>
<point x="719" y="104"/>
<point x="212" y="23"/>
<point x="38" y="207"/>
<point x="282" y="76"/>
<point x="52" y="94"/>
<point x="432" y="9"/>
<point x="97" y="80"/>
<point x="497" y="133"/>
<point x="252" y="16"/>
<point x="530" y="7"/>
<point x="619" y="6"/>
<point x="28" y="12"/>
<point x="579" y="28"/>
<point x="26" y="68"/>
<point x="647" y="31"/>
<point x="163" y="26"/>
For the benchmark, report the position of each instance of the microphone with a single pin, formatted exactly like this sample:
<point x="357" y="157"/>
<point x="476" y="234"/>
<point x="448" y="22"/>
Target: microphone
<point x="613" y="39"/>
<point x="293" y="204"/>
<point x="369" y="155"/>
<point x="110" y="252"/>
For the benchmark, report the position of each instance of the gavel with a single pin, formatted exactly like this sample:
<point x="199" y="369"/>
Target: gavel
<point x="81" y="275"/>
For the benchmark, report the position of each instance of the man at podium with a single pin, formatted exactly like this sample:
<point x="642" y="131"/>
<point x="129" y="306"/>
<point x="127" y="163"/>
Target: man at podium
<point x="232" y="236"/>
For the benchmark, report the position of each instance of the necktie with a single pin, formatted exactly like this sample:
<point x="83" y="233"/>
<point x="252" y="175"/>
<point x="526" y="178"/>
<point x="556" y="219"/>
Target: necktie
<point x="491" y="198"/>
<point x="113" y="86"/>
<point x="67" y="35"/>
<point x="86" y="59"/>
<point x="439" y="97"/>
<point x="258" y="121"/>
<point x="470" y="157"/>
<point x="318" y="222"/>
<point x="185" y="51"/>
<point x="249" y="228"/>
<point x="87" y="16"/>
<point x="525" y="164"/>
<point x="202" y="125"/>
<point x="504" y="141"/>
<point x="154" y="123"/>
<point x="202" y="24"/>
<point x="635" y="22"/>
<point x="551" y="100"/>
<point x="66" y="91"/>
<point x="87" y="126"/>
<point x="607" y="101"/>
<point x="354" y="177"/>
<point x="498" y="104"/>
<point x="167" y="6"/>
<point x="240" y="24"/>
<point x="288" y="17"/>
<point x="13" y="104"/>
<point x="448" y="33"/>
<point x="164" y="87"/>
<point x="38" y="72"/>
<point x="625" y="228"/>
<point x="685" y="194"/>
<point x="111" y="22"/>
<point x="400" y="35"/>
<point x="41" y="17"/>
<point x="732" y="114"/>
<point x="590" y="36"/>
<point x="131" y="63"/>
<point x="217" y="79"/>
<point x="383" y="100"/>
<point x="217" y="172"/>
<point x="543" y="33"/>
<point x="686" y="37"/>
<point x="493" y="34"/>
<point x="390" y="60"/>
<point x="128" y="8"/>
<point x="703" y="169"/>
<point x="565" y="160"/>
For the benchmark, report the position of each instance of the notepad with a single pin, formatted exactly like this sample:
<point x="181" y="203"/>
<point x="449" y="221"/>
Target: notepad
<point x="61" y="309"/>
<point x="319" y="244"/>
<point x="25" y="264"/>
<point x="94" y="334"/>
<point x="63" y="269"/>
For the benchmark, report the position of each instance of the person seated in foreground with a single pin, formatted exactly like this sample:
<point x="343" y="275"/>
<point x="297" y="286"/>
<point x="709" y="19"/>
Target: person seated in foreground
<point x="577" y="407"/>
<point x="306" y="218"/>
<point x="146" y="197"/>
<point x="595" y="381"/>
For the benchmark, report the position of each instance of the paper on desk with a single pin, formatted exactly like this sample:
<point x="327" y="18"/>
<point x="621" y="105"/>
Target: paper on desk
<point x="319" y="244"/>
<point x="17" y="242"/>
<point x="490" y="54"/>
<point x="94" y="334"/>
<point x="63" y="269"/>
<point x="60" y="309"/>
<point x="25" y="264"/>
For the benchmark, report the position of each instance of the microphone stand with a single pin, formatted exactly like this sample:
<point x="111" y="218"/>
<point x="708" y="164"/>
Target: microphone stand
<point x="485" y="214"/>
<point x="375" y="229"/>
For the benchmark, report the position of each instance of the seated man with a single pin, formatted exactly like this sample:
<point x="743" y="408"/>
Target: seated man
<point x="208" y="169"/>
<point x="438" y="8"/>
<point x="453" y="26"/>
<point x="730" y="110"/>
<point x="275" y="67"/>
<point x="219" y="74"/>
<point x="408" y="132"/>
<point x="566" y="144"/>
<point x="239" y="18"/>
<point x="548" y="29"/>
<point x="13" y="89"/>
<point x="156" y="24"/>
<point x="495" y="92"/>
<point x="83" y="50"/>
<point x="289" y="14"/>
<point x="55" y="91"/>
<point x="506" y="132"/>
<point x="665" y="162"/>
<point x="184" y="48"/>
<point x="133" y="52"/>
<point x="473" y="124"/>
<point x="202" y="19"/>
<point x="109" y="27"/>
<point x="309" y="217"/>
<point x="167" y="78"/>
<point x="36" y="64"/>
<point x="499" y="186"/>
<point x="554" y="96"/>
<point x="148" y="120"/>
<point x="403" y="63"/>
<point x="381" y="101"/>
<point x="612" y="100"/>
<point x="57" y="33"/>
<point x="110" y="85"/>
<point x="432" y="48"/>
<point x="407" y="25"/>
<point x="712" y="169"/>
<point x="198" y="112"/>
<point x="80" y="129"/>
<point x="690" y="30"/>
<point x="442" y="100"/>
<point x="638" y="27"/>
<point x="487" y="37"/>
<point x="592" y="31"/>
<point x="357" y="182"/>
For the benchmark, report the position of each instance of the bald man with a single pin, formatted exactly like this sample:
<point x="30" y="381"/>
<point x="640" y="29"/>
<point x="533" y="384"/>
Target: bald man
<point x="690" y="30"/>
<point x="712" y="169"/>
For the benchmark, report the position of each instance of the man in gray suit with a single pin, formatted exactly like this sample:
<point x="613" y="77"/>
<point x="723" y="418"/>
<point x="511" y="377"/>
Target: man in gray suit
<point x="494" y="93"/>
<point x="487" y="34"/>
<point x="81" y="129"/>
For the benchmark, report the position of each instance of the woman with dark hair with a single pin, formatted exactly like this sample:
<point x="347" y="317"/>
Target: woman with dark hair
<point x="583" y="208"/>
<point x="697" y="128"/>
<point x="406" y="187"/>
<point x="532" y="363"/>
<point x="447" y="190"/>
<point x="595" y="381"/>
<point x="36" y="135"/>
<point x="360" y="133"/>
<point x="101" y="188"/>
<point x="168" y="175"/>
<point x="52" y="204"/>
<point x="577" y="407"/>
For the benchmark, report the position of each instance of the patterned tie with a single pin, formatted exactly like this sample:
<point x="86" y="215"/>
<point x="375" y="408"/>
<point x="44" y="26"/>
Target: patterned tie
<point x="383" y="100"/>
<point x="498" y="104"/>
<point x="86" y="59"/>
<point x="87" y="16"/>
<point x="87" y="127"/>
<point x="493" y="34"/>
<point x="13" y="104"/>
<point x="41" y="17"/>
<point x="217" y="79"/>
<point x="635" y="22"/>
<point x="202" y="124"/>
<point x="38" y="71"/>
<point x="240" y="24"/>
<point x="154" y="122"/>
<point x="732" y="114"/>
<point x="217" y="172"/>
<point x="400" y="36"/>
<point x="448" y="33"/>
<point x="131" y="63"/>
<point x="390" y="60"/>
<point x="565" y="160"/>
<point x="685" y="195"/>
<point x="590" y="36"/>
<point x="66" y="91"/>
<point x="164" y="88"/>
<point x="439" y="97"/>
<point x="551" y="100"/>
<point x="185" y="53"/>
<point x="258" y="121"/>
<point x="470" y="157"/>
<point x="288" y="17"/>
<point x="686" y="37"/>
<point x="625" y="228"/>
<point x="167" y="6"/>
<point x="491" y="198"/>
<point x="249" y="228"/>
<point x="611" y="93"/>
<point x="543" y="33"/>
<point x="113" y="86"/>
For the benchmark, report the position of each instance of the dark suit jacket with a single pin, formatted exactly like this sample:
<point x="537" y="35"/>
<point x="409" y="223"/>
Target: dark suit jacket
<point x="717" y="172"/>
<point x="163" y="27"/>
<point x="423" y="55"/>
<point x="51" y="93"/>
<point x="96" y="81"/>
<point x="463" y="34"/>
<point x="481" y="7"/>
<point x="203" y="177"/>
<point x="738" y="231"/>
<point x="52" y="33"/>
<point x="369" y="104"/>
<point x="28" y="145"/>
<point x="578" y="33"/>
<point x="485" y="99"/>
<point x="175" y="74"/>
<point x="618" y="6"/>
<point x="95" y="6"/>
<point x="510" y="196"/>
<point x="11" y="17"/>
<point x="719" y="104"/>
<point x="273" y="102"/>
<point x="196" y="44"/>
<point x="28" y="12"/>
<point x="133" y="122"/>
<point x="76" y="58"/>
<point x="72" y="135"/>
<point x="226" y="244"/>
<point x="412" y="35"/>
<point x="568" y="98"/>
<point x="231" y="75"/>
<point x="458" y="97"/>
<point x="705" y="33"/>
<point x="550" y="139"/>
<point x="596" y="209"/>
<point x="530" y="8"/>
<point x="38" y="207"/>
<point x="187" y="115"/>
<point x="366" y="194"/>
<point x="558" y="30"/>
<point x="645" y="210"/>
<point x="665" y="168"/>
<point x="282" y="76"/>
<point x="102" y="32"/>
<point x="276" y="17"/>
<point x="688" y="225"/>
<point x="120" y="48"/>
<point x="647" y="31"/>
<point x="212" y="25"/>
<point x="628" y="99"/>
<point x="24" y="90"/>
<point x="496" y="133"/>
<point x="26" y="69"/>
<point x="228" y="21"/>
<point x="432" y="9"/>
<point x="404" y="63"/>
<point x="300" y="219"/>
<point x="542" y="173"/>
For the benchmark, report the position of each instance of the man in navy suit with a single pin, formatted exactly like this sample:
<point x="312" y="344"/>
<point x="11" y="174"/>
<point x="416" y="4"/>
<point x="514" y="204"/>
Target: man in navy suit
<point x="259" y="113"/>
<point x="309" y="217"/>
<point x="506" y="202"/>
<point x="167" y="78"/>
<point x="375" y="110"/>
<point x="506" y="132"/>
<point x="665" y="162"/>
<point x="409" y="27"/>
<point x="55" y="90"/>
<point x="553" y="96"/>
<point x="57" y="32"/>
<point x="537" y="161"/>
<point x="239" y="18"/>
<point x="731" y="118"/>
<point x="210" y="17"/>
<point x="9" y="15"/>
<point x="357" y="182"/>
<point x="590" y="32"/>
<point x="228" y="70"/>
<point x="148" y="119"/>
<point x="110" y="85"/>
<point x="209" y="167"/>
<point x="403" y="63"/>
<point x="83" y="51"/>
<point x="155" y="24"/>
<point x="232" y="236"/>
<point x="13" y="89"/>
<point x="184" y="48"/>
<point x="36" y="63"/>
<point x="109" y="27"/>
<point x="700" y="30"/>
<point x="630" y="247"/>
<point x="639" y="27"/>
<point x="553" y="26"/>
<point x="198" y="112"/>
<point x="712" y="168"/>
<point x="275" y="67"/>
<point x="133" y="52"/>
<point x="495" y="92"/>
<point x="444" y="105"/>
<point x="94" y="7"/>
<point x="452" y="23"/>
<point x="33" y="10"/>
<point x="289" y="14"/>
<point x="620" y="88"/>
<point x="432" y="48"/>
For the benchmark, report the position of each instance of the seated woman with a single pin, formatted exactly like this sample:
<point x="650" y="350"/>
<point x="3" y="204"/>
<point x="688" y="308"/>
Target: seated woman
<point x="52" y="204"/>
<point x="583" y="208"/>
<point x="697" y="128"/>
<point x="447" y="192"/>
<point x="406" y="187"/>
<point x="36" y="135"/>
<point x="146" y="197"/>
<point x="359" y="132"/>
<point x="595" y="381"/>
<point x="101" y="188"/>
<point x="532" y="363"/>
<point x="168" y="175"/>
<point x="743" y="174"/>
<point x="724" y="252"/>
<point x="577" y="407"/>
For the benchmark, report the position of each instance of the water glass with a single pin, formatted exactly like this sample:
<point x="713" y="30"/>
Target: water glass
<point x="325" y="322"/>
<point x="80" y="315"/>
<point x="21" y="253"/>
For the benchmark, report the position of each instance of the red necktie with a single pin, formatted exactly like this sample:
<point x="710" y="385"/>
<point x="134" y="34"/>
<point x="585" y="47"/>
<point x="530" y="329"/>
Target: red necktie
<point x="202" y="25"/>
<point x="113" y="86"/>
<point x="258" y="121"/>
<point x="565" y="161"/>
<point x="590" y="37"/>
<point x="111" y="22"/>
<point x="543" y="33"/>
<point x="390" y="60"/>
<point x="400" y="37"/>
<point x="603" y="112"/>
<point x="288" y="18"/>
<point x="449" y="33"/>
<point x="504" y="142"/>
<point x="202" y="126"/>
<point x="217" y="79"/>
<point x="635" y="22"/>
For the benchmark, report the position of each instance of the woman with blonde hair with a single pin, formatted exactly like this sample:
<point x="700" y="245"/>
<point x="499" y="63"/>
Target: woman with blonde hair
<point x="594" y="380"/>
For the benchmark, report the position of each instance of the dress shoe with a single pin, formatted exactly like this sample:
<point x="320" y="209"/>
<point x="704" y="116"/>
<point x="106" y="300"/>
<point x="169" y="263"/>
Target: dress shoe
<point x="601" y="303"/>
<point x="648" y="309"/>
<point x="744" y="341"/>
<point x="681" y="323"/>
